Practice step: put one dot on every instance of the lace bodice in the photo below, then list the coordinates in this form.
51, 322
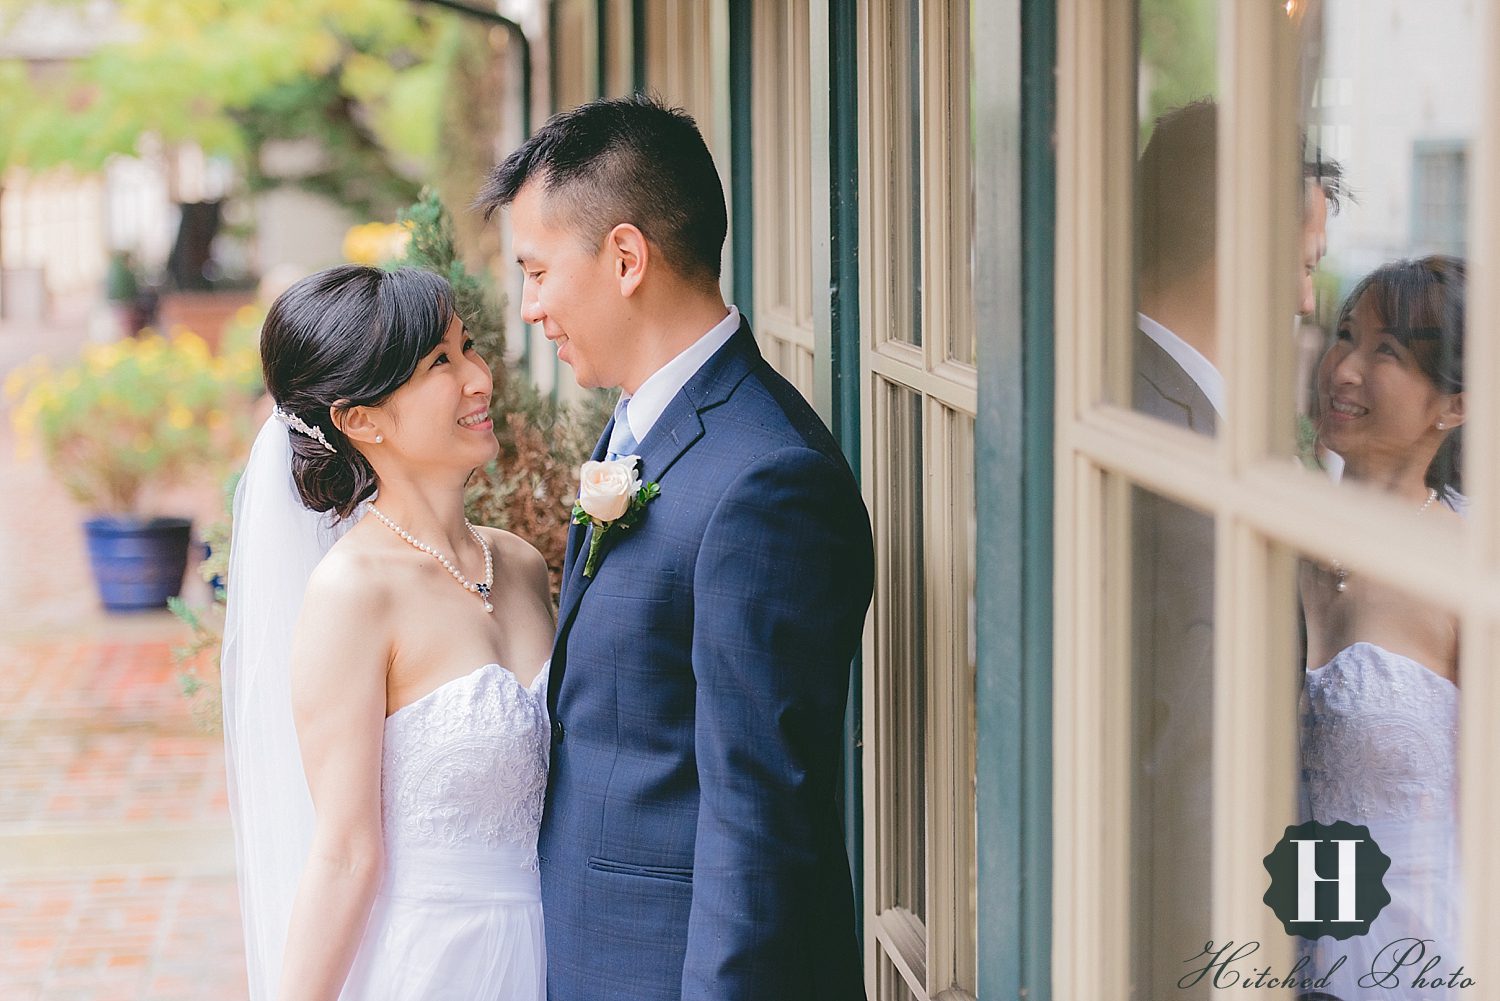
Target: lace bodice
465, 766
1380, 739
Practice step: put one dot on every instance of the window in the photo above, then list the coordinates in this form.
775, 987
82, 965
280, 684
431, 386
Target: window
1440, 173
1222, 583
918, 400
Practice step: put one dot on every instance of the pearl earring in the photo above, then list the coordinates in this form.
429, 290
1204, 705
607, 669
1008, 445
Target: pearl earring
380, 438
1442, 426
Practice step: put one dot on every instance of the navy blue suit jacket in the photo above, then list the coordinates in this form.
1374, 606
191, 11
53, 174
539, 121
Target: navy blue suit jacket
691, 847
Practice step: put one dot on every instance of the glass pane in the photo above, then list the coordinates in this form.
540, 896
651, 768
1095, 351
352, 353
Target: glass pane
961, 657
962, 335
577, 65
1389, 131
911, 39
619, 50
902, 651
902, 167
890, 985
1172, 626
1174, 350
963, 532
1378, 736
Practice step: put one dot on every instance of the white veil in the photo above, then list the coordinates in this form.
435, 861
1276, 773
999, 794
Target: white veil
276, 543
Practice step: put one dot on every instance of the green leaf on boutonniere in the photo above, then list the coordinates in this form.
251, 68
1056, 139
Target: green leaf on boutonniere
604, 530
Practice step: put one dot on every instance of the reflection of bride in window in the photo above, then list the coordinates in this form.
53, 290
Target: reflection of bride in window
1380, 736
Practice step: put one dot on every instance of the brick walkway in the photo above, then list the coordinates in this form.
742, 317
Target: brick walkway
116, 861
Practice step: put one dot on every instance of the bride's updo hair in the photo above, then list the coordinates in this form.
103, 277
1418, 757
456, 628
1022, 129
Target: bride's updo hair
346, 337
1421, 302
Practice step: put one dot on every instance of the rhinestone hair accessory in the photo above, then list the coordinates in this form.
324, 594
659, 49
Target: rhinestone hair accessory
298, 424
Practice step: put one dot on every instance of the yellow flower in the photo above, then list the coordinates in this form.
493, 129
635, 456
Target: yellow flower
24, 421
180, 418
100, 358
25, 378
15, 383
375, 242
192, 345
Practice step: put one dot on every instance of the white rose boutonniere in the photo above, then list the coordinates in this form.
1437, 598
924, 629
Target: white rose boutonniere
612, 498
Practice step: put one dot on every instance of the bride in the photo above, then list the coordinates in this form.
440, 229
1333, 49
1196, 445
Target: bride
1380, 734
384, 675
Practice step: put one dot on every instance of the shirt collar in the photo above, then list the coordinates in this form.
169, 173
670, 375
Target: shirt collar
1198, 368
646, 406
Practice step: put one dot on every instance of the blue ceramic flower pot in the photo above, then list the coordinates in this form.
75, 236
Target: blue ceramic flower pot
137, 564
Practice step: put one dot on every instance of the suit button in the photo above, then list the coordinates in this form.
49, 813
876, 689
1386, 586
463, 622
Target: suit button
558, 732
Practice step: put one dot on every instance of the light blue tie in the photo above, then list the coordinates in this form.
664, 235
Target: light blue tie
621, 440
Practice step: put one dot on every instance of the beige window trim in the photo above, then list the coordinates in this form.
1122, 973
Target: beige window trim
1482, 354
1479, 737
1092, 744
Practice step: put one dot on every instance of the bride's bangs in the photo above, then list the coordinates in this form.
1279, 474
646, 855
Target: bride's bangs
416, 308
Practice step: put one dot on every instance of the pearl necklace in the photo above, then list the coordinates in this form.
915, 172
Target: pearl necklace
1341, 573
483, 590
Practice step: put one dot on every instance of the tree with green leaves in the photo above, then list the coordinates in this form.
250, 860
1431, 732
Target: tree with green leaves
361, 77
1178, 56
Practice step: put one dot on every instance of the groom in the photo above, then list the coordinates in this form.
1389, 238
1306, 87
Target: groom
691, 847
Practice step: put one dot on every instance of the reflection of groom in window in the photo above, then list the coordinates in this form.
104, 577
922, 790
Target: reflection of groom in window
1177, 378
1177, 373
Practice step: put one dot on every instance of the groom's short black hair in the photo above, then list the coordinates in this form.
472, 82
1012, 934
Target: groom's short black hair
625, 160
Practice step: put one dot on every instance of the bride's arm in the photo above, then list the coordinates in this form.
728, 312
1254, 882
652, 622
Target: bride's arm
339, 660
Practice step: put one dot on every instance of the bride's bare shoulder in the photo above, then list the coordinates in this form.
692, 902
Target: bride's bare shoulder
353, 576
514, 555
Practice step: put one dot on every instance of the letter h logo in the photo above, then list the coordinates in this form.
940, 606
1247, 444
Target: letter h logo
1308, 879
1327, 879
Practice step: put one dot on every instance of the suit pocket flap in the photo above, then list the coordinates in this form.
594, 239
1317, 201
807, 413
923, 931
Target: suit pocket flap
654, 585
676, 874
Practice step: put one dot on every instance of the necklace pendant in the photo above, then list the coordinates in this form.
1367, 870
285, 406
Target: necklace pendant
480, 588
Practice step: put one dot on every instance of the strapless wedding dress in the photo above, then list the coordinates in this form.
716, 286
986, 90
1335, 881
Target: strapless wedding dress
459, 914
1380, 748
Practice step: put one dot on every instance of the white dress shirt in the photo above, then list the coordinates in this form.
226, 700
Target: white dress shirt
644, 408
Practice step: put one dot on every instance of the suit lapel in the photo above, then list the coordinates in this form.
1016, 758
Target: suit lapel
1155, 366
679, 426
674, 432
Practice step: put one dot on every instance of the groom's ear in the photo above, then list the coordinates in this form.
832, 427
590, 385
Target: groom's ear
629, 254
